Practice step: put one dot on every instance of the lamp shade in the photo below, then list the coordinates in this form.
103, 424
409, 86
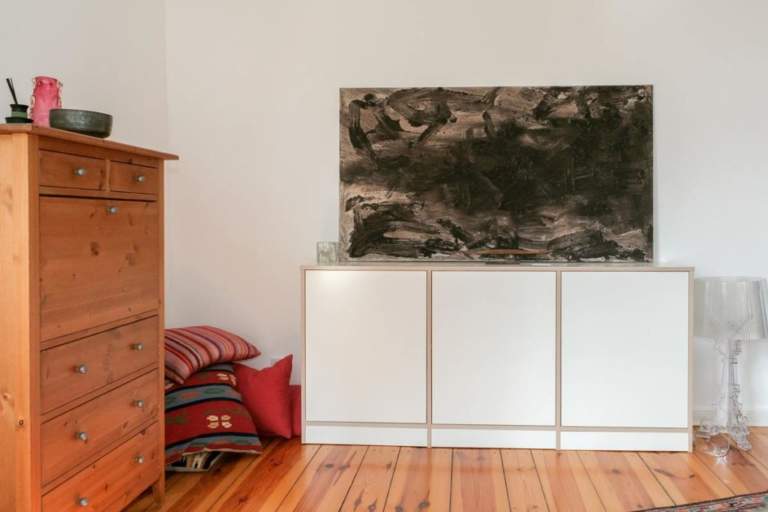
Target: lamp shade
731, 308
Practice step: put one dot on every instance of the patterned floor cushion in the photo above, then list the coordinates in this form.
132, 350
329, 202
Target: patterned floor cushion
206, 413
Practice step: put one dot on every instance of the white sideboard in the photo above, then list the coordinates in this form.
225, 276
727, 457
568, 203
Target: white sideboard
572, 357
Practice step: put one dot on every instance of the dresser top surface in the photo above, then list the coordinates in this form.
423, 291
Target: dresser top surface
83, 139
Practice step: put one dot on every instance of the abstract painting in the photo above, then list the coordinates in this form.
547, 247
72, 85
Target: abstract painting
497, 173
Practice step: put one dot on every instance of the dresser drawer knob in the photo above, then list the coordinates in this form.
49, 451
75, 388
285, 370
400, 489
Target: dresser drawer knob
139, 459
141, 178
80, 171
138, 347
82, 436
83, 502
111, 210
139, 403
81, 369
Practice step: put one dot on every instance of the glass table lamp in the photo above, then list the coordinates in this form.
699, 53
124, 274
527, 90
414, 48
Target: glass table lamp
729, 311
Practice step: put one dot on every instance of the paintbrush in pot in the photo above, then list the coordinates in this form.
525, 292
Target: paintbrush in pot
9, 81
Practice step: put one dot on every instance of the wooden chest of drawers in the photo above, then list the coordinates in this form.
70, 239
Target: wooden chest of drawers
81, 320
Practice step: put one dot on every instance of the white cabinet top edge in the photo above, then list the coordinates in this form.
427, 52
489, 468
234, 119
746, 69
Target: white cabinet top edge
499, 267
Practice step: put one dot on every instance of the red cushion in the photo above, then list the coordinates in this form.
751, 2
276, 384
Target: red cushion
266, 395
190, 349
296, 410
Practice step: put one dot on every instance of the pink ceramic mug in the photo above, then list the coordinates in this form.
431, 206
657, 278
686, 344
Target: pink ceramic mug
47, 95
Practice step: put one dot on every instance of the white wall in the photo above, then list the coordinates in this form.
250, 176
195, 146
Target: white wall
253, 110
110, 55
253, 102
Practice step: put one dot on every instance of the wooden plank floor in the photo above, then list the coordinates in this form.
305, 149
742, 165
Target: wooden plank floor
290, 476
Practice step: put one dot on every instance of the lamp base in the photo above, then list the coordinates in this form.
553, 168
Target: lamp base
728, 417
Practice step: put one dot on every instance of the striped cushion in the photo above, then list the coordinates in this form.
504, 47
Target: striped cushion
189, 349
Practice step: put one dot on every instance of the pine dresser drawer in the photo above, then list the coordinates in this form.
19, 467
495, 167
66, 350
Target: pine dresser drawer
92, 427
137, 179
99, 262
75, 369
71, 171
113, 481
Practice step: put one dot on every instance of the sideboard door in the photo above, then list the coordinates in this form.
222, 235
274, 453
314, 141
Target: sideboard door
625, 349
366, 346
493, 348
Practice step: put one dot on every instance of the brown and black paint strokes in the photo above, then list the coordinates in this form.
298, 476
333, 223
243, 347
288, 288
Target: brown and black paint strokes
519, 173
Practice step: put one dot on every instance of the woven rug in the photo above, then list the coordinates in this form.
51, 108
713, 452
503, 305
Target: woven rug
754, 502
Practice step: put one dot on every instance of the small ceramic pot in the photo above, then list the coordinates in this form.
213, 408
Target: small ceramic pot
19, 110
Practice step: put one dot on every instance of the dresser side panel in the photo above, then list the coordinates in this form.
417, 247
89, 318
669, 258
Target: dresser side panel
19, 324
158, 489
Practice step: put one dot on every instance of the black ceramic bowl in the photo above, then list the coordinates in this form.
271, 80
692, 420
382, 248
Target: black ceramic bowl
86, 122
